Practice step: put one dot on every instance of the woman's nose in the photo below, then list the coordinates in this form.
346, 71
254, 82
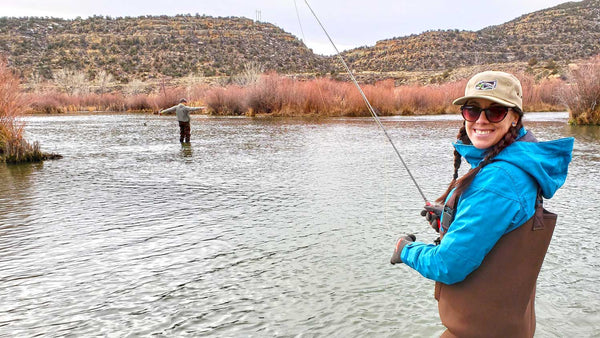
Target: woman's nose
482, 118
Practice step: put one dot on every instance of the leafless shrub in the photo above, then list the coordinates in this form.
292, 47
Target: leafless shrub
582, 95
72, 82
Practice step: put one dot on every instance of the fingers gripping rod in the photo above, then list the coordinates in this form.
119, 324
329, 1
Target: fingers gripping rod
371, 110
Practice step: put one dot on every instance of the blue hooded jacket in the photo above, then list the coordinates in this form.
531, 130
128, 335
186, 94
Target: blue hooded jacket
500, 199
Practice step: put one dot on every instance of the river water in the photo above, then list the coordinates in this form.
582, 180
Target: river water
260, 228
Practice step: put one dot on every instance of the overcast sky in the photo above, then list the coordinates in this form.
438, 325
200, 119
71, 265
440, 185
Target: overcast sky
350, 23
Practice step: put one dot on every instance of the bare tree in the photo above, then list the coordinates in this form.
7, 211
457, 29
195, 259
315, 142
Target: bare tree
104, 80
72, 82
135, 87
250, 74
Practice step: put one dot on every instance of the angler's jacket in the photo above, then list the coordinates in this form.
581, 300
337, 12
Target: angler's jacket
500, 199
182, 111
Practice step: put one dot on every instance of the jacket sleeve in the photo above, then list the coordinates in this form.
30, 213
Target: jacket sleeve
486, 211
168, 110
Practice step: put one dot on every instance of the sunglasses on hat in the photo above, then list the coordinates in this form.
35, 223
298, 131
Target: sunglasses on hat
493, 114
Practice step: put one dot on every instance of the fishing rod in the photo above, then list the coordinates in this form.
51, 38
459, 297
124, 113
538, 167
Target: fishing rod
371, 110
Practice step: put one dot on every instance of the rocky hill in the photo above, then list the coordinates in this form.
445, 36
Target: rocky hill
150, 47
153, 46
564, 33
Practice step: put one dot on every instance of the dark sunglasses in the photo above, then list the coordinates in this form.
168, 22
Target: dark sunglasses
493, 114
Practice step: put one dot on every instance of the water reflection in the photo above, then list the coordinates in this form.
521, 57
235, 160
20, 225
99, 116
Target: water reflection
186, 150
15, 187
584, 133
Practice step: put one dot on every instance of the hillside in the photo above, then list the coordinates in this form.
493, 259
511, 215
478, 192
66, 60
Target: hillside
151, 46
562, 34
154, 47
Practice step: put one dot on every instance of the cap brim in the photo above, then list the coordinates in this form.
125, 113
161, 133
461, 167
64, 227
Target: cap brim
464, 99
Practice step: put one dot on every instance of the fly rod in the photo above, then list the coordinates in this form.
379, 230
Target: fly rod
371, 110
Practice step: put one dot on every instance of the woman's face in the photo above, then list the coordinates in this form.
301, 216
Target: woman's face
484, 134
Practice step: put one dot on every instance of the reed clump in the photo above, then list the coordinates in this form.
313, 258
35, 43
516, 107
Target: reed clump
13, 147
582, 95
20, 151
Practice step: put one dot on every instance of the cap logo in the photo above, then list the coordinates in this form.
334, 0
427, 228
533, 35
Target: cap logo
486, 85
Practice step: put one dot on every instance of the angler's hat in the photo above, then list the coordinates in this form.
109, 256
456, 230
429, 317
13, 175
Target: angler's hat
500, 87
182, 100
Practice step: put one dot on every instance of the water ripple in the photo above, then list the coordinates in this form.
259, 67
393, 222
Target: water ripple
264, 228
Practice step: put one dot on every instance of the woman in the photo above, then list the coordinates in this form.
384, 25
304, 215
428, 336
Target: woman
492, 246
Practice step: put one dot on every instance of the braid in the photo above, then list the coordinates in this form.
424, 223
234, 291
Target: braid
463, 183
462, 136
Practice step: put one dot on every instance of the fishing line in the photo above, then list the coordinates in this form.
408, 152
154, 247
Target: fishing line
371, 110
299, 22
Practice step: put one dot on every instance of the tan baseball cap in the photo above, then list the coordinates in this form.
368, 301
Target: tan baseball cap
500, 87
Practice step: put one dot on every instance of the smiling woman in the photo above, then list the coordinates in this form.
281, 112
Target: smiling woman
502, 103
482, 131
488, 257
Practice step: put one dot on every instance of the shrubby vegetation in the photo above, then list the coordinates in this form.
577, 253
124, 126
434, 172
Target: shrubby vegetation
253, 93
13, 147
582, 95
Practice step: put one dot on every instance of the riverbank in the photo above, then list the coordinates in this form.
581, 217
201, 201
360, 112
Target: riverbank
273, 94
278, 95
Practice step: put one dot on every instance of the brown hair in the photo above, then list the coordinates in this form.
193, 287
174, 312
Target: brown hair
463, 183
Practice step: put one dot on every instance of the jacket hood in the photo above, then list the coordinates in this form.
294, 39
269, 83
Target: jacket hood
547, 162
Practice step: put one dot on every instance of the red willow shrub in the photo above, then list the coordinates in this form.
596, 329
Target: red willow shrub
542, 95
12, 106
278, 95
226, 101
13, 147
582, 95
166, 98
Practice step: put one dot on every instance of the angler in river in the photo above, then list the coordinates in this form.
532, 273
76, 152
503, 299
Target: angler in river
183, 116
493, 229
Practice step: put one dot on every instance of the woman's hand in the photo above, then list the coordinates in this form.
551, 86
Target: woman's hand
432, 213
402, 242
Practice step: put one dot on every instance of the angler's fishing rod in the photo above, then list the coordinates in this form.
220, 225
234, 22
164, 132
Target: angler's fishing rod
371, 110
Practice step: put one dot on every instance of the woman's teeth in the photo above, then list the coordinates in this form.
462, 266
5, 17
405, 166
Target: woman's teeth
482, 132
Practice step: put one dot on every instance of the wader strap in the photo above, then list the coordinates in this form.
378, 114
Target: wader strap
448, 213
539, 212
450, 209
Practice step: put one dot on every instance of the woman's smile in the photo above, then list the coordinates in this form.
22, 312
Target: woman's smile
483, 133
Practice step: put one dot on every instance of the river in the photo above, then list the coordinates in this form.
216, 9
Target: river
259, 228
